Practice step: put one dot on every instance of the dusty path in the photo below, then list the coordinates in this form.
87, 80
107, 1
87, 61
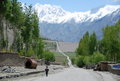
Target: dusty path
71, 74
74, 74
69, 61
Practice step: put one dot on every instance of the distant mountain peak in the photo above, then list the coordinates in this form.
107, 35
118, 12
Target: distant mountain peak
103, 11
61, 25
50, 13
56, 14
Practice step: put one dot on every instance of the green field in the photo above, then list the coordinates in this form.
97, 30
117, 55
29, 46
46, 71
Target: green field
71, 54
60, 58
58, 54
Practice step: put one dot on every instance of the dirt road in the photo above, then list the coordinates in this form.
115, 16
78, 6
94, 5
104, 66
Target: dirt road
74, 74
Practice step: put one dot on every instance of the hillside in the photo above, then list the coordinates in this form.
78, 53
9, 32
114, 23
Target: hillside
64, 46
58, 24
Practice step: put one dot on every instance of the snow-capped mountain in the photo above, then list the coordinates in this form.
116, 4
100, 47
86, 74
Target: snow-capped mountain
58, 24
55, 14
50, 13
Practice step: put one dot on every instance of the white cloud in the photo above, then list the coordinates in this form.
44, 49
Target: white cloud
116, 0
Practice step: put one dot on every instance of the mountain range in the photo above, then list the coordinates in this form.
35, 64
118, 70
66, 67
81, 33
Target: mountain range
59, 24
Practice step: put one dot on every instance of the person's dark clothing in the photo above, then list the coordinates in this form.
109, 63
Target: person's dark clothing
46, 71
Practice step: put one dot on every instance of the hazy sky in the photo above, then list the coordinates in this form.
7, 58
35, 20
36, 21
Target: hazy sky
74, 5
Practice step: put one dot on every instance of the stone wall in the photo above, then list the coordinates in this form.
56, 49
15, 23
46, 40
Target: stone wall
113, 70
11, 59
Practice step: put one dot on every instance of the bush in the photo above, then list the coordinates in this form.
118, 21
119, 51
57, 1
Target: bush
73, 60
5, 50
22, 53
118, 61
79, 61
87, 60
65, 62
49, 56
97, 57
30, 52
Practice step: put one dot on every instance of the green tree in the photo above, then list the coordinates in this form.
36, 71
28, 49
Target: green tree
83, 48
92, 43
111, 41
25, 24
40, 47
3, 7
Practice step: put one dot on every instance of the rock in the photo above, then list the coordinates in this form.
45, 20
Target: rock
8, 69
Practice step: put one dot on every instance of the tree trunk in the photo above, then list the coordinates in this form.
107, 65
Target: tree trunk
7, 24
1, 31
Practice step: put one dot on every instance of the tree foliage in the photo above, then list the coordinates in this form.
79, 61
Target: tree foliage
97, 57
87, 44
83, 48
25, 24
93, 51
111, 42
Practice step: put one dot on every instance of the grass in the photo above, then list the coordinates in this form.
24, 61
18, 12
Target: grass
71, 54
60, 58
58, 54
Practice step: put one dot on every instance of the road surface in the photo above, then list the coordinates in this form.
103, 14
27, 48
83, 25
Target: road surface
73, 74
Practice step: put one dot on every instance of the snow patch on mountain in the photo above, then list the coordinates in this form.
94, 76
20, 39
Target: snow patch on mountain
106, 10
55, 14
59, 24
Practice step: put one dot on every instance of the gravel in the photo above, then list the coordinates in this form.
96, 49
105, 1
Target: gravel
13, 72
7, 69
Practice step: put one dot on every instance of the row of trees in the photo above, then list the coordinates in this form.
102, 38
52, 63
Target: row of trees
25, 24
92, 51
110, 44
87, 44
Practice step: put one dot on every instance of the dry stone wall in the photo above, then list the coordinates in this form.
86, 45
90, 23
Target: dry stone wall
13, 59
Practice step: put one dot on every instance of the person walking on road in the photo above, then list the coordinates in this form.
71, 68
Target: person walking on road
46, 71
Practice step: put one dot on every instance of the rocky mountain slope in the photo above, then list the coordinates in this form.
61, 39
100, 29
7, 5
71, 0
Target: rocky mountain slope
58, 24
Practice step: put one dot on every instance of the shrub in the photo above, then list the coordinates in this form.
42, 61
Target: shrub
87, 60
97, 57
30, 52
49, 56
73, 60
22, 53
79, 61
65, 62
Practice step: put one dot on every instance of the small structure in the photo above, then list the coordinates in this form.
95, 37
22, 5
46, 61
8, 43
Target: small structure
114, 68
31, 64
104, 65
